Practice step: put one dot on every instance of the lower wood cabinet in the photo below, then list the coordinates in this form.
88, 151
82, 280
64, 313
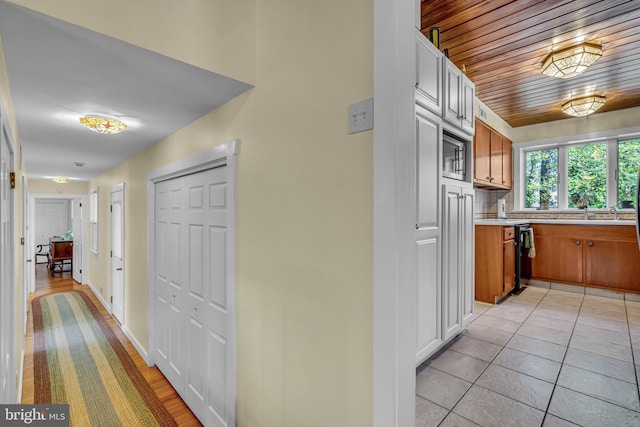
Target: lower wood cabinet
599, 256
494, 261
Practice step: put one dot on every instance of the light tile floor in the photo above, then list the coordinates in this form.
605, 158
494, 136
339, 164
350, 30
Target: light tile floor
545, 357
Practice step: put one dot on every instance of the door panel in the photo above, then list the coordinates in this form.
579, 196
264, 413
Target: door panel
76, 227
117, 253
451, 254
429, 329
191, 276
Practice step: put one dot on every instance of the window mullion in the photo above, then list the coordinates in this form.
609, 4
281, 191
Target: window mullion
612, 166
563, 171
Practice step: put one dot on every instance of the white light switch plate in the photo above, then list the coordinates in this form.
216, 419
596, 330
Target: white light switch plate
361, 116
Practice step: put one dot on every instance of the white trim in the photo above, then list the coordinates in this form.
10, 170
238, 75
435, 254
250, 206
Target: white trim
20, 376
11, 286
221, 155
99, 297
93, 240
394, 258
84, 198
136, 344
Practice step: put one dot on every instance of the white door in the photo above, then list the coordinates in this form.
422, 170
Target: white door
7, 388
427, 235
191, 287
451, 263
117, 252
77, 227
52, 219
467, 263
27, 255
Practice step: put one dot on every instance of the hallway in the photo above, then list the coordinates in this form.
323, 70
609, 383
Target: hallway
164, 391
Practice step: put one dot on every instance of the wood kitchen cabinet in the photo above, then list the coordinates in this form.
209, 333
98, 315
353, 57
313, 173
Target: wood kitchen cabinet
587, 255
492, 158
558, 258
494, 262
613, 264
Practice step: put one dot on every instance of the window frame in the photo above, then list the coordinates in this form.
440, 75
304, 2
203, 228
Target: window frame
94, 204
611, 139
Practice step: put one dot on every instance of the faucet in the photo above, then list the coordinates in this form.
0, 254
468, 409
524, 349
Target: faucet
614, 211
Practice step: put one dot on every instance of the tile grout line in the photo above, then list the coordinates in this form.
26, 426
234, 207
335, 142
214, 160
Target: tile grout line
491, 362
555, 384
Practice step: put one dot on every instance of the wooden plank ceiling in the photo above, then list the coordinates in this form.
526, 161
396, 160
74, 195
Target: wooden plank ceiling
503, 43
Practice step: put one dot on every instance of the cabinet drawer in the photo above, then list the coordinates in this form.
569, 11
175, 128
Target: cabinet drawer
508, 233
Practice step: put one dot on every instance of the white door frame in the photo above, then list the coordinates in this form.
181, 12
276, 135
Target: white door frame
117, 188
221, 155
27, 257
394, 207
7, 290
84, 198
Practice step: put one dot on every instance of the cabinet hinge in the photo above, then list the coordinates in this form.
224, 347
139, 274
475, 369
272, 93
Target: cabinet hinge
111, 300
111, 208
80, 271
111, 254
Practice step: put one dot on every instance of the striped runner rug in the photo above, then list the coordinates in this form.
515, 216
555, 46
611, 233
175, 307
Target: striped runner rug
79, 360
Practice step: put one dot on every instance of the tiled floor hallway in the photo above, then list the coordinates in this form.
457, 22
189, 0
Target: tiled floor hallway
544, 357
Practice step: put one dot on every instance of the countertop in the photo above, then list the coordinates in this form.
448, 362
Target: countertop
517, 221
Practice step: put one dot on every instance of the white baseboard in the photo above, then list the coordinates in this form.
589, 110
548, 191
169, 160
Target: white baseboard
136, 344
97, 295
126, 331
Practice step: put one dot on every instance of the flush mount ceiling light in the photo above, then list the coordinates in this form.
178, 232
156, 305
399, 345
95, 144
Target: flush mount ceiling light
60, 179
583, 106
572, 61
103, 124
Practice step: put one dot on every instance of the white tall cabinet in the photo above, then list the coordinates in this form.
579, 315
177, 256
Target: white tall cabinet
444, 207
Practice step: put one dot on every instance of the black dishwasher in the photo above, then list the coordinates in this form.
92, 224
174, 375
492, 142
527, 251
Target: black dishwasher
523, 264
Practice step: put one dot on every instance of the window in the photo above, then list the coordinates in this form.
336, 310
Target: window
587, 174
628, 161
93, 220
541, 178
570, 176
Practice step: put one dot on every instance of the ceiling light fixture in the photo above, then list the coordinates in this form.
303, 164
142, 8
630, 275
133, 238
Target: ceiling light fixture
60, 179
583, 106
572, 61
103, 124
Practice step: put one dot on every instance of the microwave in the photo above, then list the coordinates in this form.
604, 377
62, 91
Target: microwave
454, 157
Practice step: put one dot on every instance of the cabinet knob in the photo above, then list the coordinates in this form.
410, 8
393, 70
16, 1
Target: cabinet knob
488, 178
578, 242
591, 243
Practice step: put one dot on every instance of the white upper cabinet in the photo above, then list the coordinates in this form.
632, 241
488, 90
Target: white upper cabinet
459, 94
428, 74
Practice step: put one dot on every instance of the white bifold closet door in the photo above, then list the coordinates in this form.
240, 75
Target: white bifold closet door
191, 297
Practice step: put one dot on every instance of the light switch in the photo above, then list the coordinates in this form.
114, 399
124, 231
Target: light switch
361, 116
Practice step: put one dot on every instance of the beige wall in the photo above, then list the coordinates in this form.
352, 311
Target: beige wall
46, 186
304, 207
599, 122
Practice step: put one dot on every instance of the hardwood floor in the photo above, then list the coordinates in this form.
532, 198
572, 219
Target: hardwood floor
165, 392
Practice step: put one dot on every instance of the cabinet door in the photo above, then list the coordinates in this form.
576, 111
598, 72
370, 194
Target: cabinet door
496, 158
451, 314
509, 266
612, 264
468, 93
507, 165
452, 98
429, 329
428, 74
428, 135
558, 259
482, 154
466, 260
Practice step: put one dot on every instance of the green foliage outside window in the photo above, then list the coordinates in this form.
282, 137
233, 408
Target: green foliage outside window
587, 173
628, 161
541, 178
